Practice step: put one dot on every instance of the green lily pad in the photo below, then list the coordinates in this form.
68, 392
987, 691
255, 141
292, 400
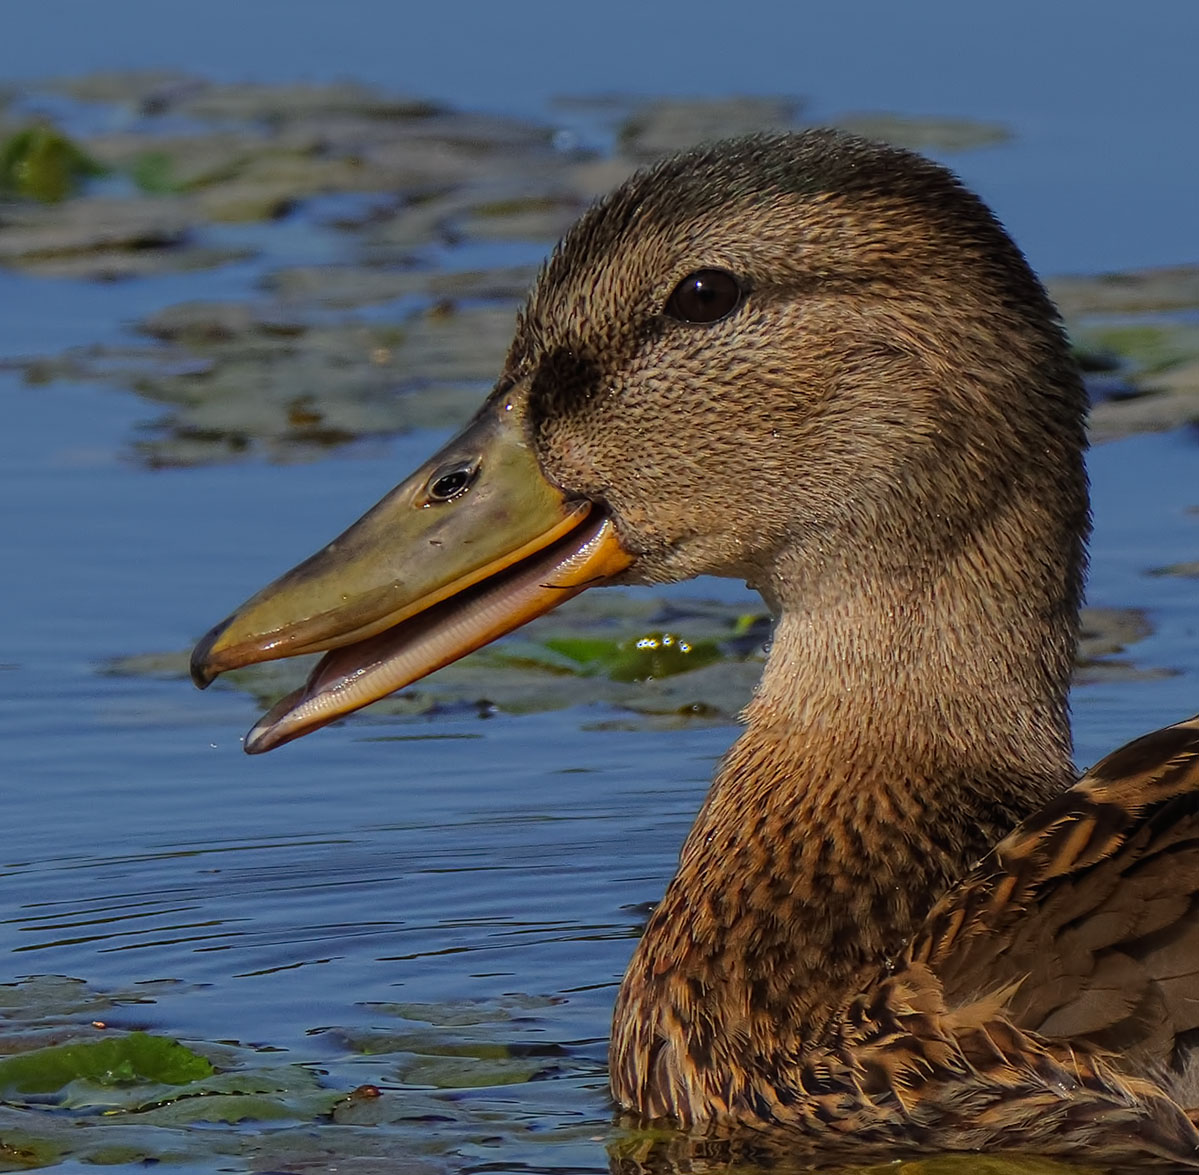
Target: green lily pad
642, 658
123, 1060
41, 163
1151, 346
1161, 362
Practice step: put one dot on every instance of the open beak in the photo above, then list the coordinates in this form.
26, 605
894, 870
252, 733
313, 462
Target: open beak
474, 544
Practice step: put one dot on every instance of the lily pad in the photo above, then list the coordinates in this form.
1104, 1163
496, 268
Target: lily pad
648, 657
41, 163
106, 237
1161, 361
466, 1044
171, 164
149, 91
257, 150
351, 286
59, 999
22, 1150
536, 216
1144, 291
136, 1057
925, 134
585, 654
242, 380
1153, 346
1137, 337
100, 222
466, 1013
1104, 635
537, 203
660, 127
242, 102
1187, 570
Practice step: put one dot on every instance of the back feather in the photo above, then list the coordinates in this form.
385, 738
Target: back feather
1084, 921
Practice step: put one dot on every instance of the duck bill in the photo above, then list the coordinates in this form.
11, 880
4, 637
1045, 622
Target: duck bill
422, 579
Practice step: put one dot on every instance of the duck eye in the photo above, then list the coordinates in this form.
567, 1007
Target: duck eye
707, 295
446, 484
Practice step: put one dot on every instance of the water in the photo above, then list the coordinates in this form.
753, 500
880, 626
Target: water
443, 908
1102, 95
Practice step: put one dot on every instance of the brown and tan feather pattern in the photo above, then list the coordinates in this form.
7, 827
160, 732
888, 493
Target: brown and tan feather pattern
884, 435
1047, 1004
1087, 913
885, 440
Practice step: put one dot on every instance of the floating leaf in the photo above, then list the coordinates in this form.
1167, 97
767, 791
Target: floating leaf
21, 1151
221, 1107
925, 134
154, 172
1188, 570
41, 163
122, 1060
644, 658
586, 651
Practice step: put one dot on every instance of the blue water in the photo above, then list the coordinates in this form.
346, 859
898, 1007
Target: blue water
1102, 96
473, 858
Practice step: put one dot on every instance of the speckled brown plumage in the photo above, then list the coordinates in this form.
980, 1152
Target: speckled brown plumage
886, 440
898, 922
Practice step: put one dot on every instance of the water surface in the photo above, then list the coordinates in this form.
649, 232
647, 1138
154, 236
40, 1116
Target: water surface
443, 907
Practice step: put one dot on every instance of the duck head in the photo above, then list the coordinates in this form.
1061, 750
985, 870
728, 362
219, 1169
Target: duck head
808, 361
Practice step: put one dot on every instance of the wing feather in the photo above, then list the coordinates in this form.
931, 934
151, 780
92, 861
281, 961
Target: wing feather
1089, 911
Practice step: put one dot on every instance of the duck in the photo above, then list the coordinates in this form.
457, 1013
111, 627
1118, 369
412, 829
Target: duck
820, 365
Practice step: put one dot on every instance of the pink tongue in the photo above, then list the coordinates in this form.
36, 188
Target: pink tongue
349, 678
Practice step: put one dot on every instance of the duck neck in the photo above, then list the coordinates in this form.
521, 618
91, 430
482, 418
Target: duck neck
896, 735
869, 780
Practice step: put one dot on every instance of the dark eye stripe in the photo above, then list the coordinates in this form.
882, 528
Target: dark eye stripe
707, 295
